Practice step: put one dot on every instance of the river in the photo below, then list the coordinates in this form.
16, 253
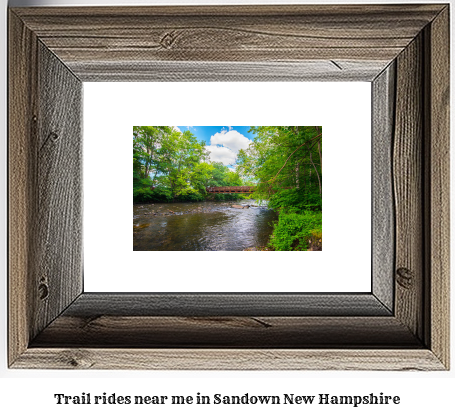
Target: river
201, 226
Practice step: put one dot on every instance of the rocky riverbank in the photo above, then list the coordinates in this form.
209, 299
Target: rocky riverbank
162, 210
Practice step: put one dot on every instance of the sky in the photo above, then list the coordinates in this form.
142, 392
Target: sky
223, 142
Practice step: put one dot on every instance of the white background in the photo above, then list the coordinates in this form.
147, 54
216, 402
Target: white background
342, 108
32, 391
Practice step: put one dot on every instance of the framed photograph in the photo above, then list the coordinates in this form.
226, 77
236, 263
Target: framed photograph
183, 231
402, 323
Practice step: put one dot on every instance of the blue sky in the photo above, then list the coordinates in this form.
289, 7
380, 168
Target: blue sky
223, 142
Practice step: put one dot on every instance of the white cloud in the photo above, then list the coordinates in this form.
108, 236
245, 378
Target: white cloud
176, 129
231, 139
222, 154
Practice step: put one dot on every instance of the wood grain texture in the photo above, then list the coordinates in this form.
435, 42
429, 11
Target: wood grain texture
309, 71
229, 359
408, 188
53, 49
212, 305
383, 215
22, 95
57, 222
218, 34
257, 332
439, 189
44, 187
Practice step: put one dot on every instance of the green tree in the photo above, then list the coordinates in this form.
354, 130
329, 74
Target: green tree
181, 153
286, 163
284, 159
147, 142
168, 165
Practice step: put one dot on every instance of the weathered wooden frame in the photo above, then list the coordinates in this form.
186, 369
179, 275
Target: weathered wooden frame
403, 50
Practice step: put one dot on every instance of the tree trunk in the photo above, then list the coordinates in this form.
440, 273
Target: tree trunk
297, 174
320, 155
319, 179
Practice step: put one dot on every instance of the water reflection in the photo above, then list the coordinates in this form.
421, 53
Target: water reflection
203, 226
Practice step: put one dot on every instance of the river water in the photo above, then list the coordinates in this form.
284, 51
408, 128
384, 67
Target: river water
201, 226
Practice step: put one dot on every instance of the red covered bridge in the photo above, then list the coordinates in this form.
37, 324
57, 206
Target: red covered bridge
231, 189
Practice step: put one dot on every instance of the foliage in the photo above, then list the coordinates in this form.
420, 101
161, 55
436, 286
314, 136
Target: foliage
223, 176
296, 231
284, 163
296, 200
282, 158
169, 165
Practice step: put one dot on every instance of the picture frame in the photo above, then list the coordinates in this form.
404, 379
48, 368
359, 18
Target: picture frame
402, 324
